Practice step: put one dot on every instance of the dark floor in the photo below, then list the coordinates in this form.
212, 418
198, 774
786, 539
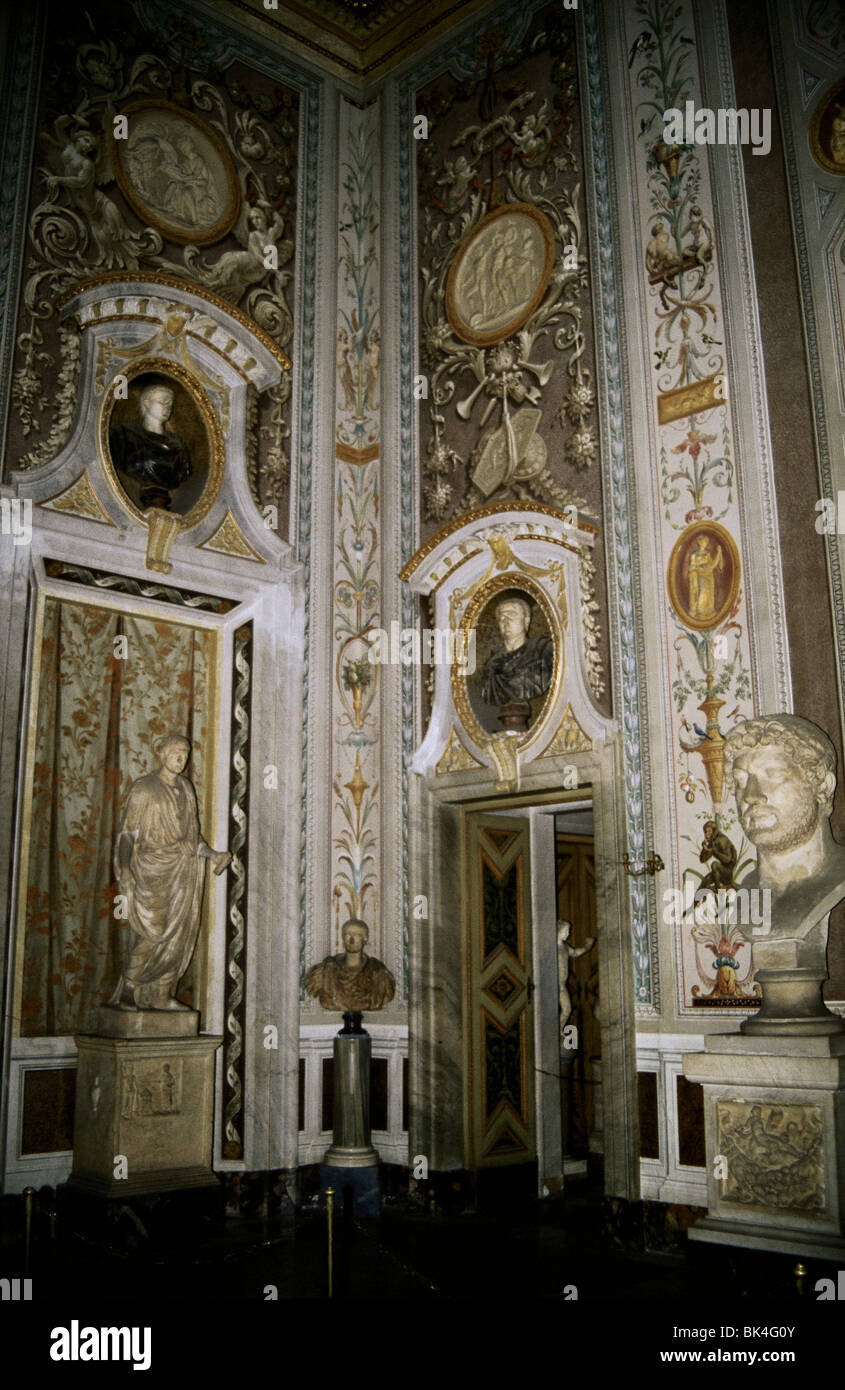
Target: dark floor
577, 1245
154, 1262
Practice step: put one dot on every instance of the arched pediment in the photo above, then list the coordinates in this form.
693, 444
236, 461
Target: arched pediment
156, 331
504, 700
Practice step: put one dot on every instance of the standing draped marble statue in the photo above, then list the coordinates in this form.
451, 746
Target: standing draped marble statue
159, 863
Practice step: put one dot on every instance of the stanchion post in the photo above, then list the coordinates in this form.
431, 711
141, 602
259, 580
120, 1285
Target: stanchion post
28, 1199
330, 1223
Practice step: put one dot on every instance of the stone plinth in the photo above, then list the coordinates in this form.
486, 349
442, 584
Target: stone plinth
148, 1101
147, 1023
774, 1112
792, 992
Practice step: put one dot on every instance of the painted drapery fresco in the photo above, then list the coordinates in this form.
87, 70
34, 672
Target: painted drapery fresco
110, 686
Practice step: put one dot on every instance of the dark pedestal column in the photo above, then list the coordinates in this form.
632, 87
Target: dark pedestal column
352, 1163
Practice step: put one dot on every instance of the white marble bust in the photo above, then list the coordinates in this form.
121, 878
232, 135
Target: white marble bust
783, 772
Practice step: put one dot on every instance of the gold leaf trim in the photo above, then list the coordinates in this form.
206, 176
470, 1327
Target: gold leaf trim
478, 514
79, 499
228, 539
173, 282
570, 737
455, 757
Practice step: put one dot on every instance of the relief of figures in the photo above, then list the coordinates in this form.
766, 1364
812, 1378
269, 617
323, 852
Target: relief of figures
172, 170
774, 1154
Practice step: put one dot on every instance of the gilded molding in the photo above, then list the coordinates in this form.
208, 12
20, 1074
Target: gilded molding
174, 282
78, 500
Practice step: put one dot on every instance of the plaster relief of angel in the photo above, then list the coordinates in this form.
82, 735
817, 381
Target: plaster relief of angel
259, 229
456, 179
532, 139
80, 167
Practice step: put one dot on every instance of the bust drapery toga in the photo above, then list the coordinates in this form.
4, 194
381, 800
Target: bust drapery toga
342, 990
159, 461
159, 862
519, 674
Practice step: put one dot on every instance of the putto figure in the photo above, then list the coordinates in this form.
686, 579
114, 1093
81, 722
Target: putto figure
352, 981
159, 863
522, 667
144, 450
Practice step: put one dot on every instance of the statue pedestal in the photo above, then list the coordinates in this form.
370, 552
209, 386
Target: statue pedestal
774, 1110
351, 1162
792, 990
144, 1106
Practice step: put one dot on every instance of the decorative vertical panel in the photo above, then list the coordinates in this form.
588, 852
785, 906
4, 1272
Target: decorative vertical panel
707, 660
233, 1053
356, 590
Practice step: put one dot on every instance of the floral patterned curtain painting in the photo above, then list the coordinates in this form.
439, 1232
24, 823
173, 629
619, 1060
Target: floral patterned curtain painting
102, 706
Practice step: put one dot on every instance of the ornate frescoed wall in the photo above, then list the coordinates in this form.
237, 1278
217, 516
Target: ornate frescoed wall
165, 155
506, 338
526, 363
708, 486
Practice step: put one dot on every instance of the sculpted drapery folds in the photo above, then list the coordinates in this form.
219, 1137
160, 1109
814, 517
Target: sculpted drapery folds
351, 981
522, 667
97, 725
159, 865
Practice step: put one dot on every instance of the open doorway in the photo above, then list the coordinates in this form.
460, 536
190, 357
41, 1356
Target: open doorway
578, 990
531, 1016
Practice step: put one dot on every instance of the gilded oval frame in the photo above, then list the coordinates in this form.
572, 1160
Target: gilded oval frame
487, 338
182, 236
674, 580
819, 120
164, 367
514, 579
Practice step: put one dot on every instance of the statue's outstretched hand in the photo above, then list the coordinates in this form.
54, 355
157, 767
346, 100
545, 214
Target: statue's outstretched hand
220, 860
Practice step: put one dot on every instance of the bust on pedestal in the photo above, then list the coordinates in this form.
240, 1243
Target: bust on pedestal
774, 1095
145, 1079
352, 981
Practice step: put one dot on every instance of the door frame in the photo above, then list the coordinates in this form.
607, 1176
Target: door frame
435, 951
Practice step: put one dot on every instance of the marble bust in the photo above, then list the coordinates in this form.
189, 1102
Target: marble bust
159, 860
352, 981
783, 772
522, 666
145, 450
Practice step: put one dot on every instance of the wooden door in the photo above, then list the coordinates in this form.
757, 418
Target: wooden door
499, 1120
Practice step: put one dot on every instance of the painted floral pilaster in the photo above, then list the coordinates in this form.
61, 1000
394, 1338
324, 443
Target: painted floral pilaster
356, 547
707, 657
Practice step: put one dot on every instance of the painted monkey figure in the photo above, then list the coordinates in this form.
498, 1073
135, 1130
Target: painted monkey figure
723, 856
